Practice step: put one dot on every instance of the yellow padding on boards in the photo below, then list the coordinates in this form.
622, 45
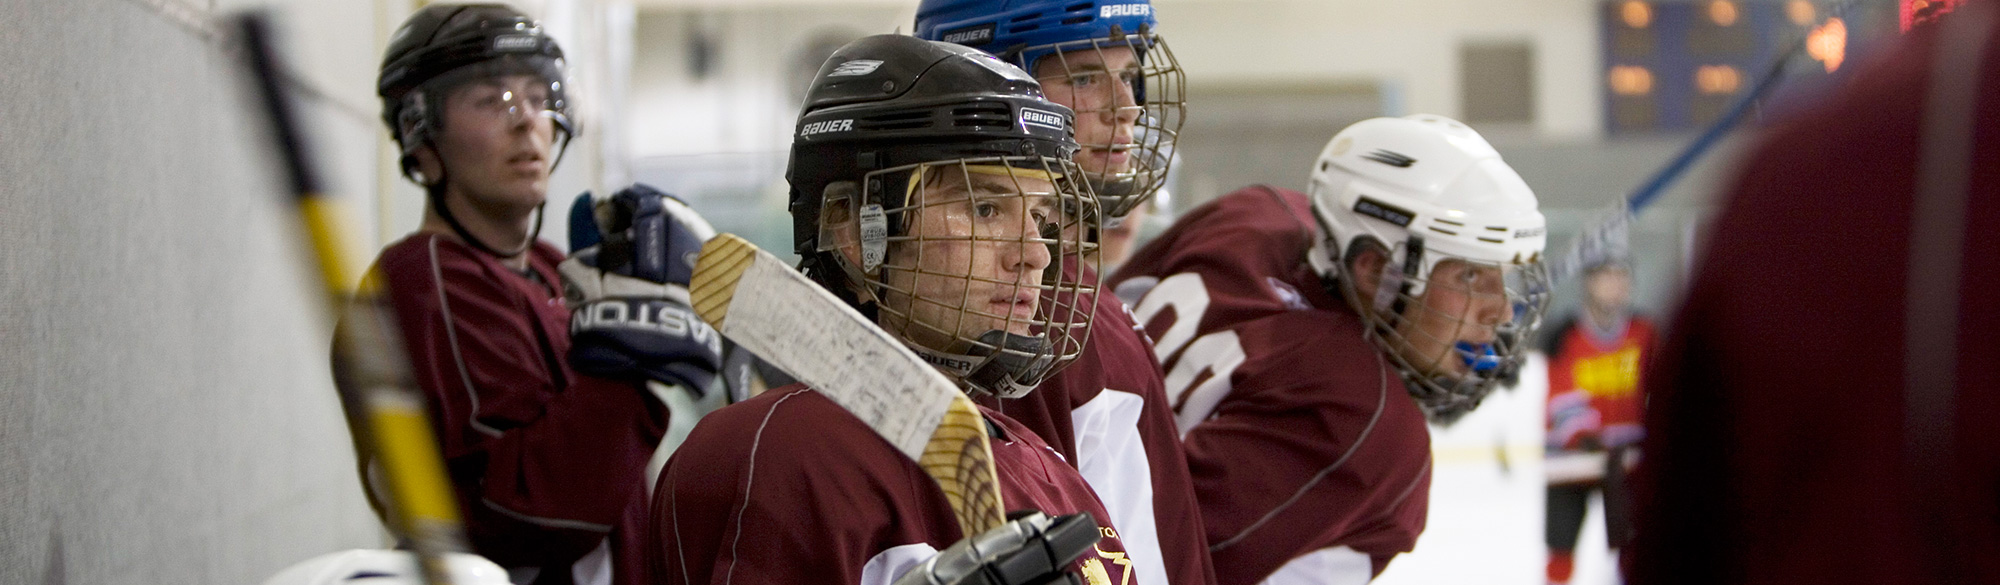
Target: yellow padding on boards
959, 457
403, 438
720, 266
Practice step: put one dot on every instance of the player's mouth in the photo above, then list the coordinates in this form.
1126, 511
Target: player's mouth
527, 162
1109, 160
1018, 306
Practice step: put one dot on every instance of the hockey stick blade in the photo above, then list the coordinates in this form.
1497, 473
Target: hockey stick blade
764, 305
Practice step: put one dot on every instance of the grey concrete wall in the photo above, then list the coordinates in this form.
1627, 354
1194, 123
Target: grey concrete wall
165, 410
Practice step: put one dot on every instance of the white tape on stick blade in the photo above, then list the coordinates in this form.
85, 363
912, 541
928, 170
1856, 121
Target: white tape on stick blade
789, 321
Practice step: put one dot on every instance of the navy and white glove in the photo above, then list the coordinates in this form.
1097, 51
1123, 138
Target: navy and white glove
1031, 549
626, 286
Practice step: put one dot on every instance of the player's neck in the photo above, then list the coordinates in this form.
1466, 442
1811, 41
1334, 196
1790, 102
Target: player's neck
1603, 320
498, 231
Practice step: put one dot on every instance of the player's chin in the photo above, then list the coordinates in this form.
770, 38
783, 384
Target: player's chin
1016, 326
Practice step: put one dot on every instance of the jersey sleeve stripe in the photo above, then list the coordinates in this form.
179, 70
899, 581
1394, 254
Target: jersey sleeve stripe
1381, 402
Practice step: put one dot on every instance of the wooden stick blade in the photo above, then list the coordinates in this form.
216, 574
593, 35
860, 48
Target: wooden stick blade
764, 305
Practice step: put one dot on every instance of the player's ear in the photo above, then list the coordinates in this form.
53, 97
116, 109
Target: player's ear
1365, 264
837, 227
429, 166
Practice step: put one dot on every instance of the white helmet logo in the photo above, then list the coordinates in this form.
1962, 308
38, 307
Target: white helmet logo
855, 67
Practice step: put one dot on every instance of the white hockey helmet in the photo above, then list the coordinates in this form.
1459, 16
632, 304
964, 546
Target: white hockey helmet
385, 567
1426, 189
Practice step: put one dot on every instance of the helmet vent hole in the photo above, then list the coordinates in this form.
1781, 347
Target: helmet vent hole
1077, 19
1026, 28
1450, 222
984, 114
1443, 231
907, 120
1077, 7
1026, 17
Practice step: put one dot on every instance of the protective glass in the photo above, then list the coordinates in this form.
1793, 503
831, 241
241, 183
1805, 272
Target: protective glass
1129, 95
1464, 334
969, 269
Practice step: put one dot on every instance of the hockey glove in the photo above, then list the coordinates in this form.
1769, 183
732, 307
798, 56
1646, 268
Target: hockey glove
1032, 549
629, 310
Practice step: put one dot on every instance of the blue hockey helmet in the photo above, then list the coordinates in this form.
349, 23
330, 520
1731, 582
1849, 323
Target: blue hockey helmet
1127, 166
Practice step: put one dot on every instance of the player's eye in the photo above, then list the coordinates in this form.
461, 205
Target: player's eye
536, 99
488, 97
985, 209
1083, 79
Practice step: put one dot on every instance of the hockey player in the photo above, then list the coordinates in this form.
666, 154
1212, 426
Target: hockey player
1822, 409
1594, 406
1108, 414
545, 440
927, 187
1295, 324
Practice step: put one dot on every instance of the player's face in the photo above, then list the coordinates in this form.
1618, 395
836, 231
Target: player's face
1097, 84
1608, 289
1462, 302
494, 143
975, 261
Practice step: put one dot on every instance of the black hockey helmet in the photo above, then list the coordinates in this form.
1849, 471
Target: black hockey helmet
888, 113
892, 100
445, 45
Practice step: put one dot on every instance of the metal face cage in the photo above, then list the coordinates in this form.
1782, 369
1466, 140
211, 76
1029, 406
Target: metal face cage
1463, 335
1129, 95
971, 263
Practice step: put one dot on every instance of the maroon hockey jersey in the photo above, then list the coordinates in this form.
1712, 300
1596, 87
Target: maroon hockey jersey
1779, 444
1128, 448
547, 463
787, 487
1310, 462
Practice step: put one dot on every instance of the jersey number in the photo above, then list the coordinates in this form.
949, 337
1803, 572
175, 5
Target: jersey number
1217, 353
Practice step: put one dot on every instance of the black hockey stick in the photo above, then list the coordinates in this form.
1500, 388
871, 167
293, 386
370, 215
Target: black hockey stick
385, 411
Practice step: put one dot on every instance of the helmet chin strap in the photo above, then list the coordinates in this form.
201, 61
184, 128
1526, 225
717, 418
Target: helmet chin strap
444, 211
1114, 188
1011, 371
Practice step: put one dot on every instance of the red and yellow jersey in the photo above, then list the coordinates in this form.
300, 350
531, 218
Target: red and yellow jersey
1594, 394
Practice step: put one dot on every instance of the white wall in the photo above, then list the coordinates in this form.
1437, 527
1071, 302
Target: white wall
166, 410
1409, 46
166, 414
